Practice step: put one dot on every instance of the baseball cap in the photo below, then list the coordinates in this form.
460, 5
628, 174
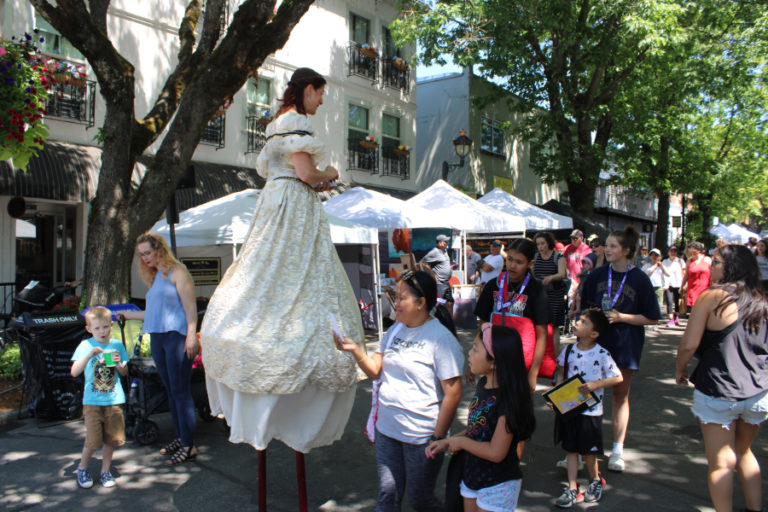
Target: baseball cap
672, 248
496, 243
656, 251
577, 232
443, 238
559, 246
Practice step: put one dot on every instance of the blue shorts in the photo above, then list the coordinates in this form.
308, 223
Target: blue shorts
625, 355
753, 410
499, 498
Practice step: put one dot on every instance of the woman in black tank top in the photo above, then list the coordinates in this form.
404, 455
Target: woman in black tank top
728, 332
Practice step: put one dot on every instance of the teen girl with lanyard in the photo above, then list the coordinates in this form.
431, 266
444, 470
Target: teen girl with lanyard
626, 296
521, 295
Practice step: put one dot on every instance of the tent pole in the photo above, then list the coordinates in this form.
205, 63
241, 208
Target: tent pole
377, 287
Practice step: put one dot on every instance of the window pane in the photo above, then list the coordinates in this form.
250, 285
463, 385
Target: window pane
390, 126
259, 91
54, 43
358, 117
498, 141
486, 136
360, 29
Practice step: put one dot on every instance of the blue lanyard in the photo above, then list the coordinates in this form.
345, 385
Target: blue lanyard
502, 283
621, 286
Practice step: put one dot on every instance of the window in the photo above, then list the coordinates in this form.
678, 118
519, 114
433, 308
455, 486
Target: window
54, 43
358, 121
390, 50
492, 137
677, 221
360, 30
359, 156
258, 96
393, 164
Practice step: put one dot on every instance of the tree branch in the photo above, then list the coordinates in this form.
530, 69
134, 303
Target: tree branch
98, 10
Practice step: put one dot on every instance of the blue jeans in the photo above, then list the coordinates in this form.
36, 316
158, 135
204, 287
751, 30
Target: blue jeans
175, 370
405, 467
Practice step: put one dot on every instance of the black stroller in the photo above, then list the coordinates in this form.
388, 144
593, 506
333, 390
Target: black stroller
147, 396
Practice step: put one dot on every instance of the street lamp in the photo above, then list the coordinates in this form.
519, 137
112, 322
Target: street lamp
461, 145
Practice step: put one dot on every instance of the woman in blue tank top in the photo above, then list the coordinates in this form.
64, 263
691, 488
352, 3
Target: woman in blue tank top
728, 333
171, 321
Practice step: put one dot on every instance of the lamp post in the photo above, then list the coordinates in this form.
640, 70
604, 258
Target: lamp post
461, 145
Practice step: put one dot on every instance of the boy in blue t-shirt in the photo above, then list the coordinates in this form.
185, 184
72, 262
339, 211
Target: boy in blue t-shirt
102, 359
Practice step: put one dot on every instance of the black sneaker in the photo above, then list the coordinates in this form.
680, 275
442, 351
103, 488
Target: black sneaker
569, 498
595, 490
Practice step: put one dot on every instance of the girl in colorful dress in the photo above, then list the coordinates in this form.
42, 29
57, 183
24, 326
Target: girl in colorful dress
697, 275
500, 416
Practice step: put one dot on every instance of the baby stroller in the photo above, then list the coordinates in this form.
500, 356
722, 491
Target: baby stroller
147, 395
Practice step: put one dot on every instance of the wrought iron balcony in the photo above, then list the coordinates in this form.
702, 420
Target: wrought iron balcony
395, 77
360, 64
256, 133
72, 103
362, 158
213, 135
395, 162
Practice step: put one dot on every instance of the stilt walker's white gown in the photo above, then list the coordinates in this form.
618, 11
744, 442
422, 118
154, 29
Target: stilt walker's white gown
271, 365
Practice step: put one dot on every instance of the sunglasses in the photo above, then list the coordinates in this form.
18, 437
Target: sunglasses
409, 276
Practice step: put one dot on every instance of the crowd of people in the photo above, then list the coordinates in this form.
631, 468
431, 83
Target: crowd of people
276, 369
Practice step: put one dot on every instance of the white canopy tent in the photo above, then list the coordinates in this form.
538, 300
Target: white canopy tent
721, 231
536, 218
741, 233
374, 209
450, 208
217, 228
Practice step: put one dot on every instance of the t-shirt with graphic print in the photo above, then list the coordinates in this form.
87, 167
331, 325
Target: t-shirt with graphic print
102, 383
531, 304
593, 364
484, 413
414, 364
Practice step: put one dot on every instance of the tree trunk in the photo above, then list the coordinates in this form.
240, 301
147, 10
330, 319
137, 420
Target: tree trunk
662, 217
660, 174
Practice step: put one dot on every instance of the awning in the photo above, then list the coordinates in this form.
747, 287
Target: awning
64, 171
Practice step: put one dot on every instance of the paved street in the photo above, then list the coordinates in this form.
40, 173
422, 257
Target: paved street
664, 452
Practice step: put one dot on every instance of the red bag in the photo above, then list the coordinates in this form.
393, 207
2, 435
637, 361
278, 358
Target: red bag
524, 327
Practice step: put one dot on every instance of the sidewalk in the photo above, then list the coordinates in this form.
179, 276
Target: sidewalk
666, 468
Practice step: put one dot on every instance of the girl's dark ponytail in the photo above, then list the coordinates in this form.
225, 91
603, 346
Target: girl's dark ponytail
426, 286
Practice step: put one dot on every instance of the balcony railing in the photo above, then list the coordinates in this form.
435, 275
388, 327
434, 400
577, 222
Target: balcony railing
394, 164
213, 135
72, 103
361, 158
395, 77
360, 65
256, 133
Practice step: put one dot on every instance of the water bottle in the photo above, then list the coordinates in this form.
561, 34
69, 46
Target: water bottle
137, 348
132, 394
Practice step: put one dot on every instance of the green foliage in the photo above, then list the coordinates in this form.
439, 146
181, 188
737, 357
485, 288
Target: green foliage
23, 79
10, 362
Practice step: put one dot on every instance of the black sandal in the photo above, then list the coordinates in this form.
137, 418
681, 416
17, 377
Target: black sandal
183, 454
171, 447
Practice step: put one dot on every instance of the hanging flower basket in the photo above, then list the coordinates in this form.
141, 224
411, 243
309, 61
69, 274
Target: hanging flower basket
77, 81
368, 50
61, 77
400, 63
402, 150
369, 142
266, 118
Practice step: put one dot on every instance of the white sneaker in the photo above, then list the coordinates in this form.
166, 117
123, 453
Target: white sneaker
563, 464
616, 463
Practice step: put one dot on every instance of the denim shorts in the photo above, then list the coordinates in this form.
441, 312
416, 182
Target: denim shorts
753, 410
499, 498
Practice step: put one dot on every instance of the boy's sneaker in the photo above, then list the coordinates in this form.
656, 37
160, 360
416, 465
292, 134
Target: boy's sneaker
616, 463
84, 479
107, 480
569, 498
563, 463
595, 490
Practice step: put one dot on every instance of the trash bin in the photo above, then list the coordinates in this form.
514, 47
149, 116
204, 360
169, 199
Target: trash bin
47, 341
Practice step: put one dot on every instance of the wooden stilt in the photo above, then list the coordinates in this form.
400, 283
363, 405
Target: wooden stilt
301, 482
262, 475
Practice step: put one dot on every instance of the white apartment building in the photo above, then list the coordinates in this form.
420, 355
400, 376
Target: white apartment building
367, 95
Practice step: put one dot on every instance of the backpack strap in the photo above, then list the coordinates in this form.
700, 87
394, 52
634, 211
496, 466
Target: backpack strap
292, 132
